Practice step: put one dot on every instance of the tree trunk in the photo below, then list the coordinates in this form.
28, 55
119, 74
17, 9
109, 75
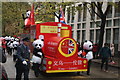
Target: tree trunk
102, 27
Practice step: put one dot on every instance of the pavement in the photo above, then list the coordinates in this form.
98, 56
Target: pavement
115, 64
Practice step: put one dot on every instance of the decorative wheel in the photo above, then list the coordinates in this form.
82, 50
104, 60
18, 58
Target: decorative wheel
67, 47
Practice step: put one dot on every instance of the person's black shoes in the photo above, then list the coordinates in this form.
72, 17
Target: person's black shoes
36, 74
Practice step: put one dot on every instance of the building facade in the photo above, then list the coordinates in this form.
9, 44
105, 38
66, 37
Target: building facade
85, 26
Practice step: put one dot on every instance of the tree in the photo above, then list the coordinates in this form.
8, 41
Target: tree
46, 11
12, 21
102, 14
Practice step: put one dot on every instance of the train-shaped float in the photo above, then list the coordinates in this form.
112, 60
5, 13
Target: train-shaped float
60, 49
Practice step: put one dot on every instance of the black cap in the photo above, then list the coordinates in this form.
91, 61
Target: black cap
26, 39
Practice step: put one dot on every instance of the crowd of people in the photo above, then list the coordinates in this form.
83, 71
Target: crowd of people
9, 44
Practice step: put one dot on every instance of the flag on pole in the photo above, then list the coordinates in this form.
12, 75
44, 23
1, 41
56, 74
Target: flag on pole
62, 18
32, 15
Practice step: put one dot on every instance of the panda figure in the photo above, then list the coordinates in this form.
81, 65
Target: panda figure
28, 13
10, 45
26, 19
37, 56
15, 45
87, 47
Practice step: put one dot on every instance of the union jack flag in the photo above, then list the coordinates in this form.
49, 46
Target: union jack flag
71, 47
71, 43
62, 18
70, 50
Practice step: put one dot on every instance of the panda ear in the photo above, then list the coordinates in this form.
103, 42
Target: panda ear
41, 37
85, 40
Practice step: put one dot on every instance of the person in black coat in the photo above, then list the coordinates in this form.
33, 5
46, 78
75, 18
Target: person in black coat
105, 54
23, 62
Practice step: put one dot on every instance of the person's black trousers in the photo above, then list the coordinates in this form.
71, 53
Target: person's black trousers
104, 60
21, 70
89, 65
36, 69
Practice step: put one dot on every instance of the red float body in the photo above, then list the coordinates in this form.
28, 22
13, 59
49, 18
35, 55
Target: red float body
60, 51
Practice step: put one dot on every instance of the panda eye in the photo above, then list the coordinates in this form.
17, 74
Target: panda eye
85, 40
36, 44
40, 45
90, 45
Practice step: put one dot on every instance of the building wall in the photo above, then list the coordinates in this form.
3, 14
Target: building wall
86, 29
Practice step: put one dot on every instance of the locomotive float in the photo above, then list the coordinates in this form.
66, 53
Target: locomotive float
60, 49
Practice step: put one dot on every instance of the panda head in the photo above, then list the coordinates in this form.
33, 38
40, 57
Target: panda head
6, 37
38, 44
28, 13
87, 45
12, 38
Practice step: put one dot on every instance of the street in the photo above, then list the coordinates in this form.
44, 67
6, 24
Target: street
95, 73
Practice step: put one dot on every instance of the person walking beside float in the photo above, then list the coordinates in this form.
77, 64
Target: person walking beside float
23, 62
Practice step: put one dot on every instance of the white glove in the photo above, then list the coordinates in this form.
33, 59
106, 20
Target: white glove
39, 53
24, 62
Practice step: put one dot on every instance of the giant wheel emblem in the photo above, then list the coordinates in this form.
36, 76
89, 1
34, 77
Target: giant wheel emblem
67, 47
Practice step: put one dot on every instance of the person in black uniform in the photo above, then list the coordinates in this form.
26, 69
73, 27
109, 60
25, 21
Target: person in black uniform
23, 62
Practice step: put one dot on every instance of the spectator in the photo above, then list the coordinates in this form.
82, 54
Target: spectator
95, 49
105, 54
23, 62
112, 53
3, 45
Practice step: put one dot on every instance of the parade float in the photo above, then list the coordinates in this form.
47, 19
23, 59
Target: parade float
60, 49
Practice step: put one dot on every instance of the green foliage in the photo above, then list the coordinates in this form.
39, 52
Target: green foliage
12, 17
45, 10
12, 21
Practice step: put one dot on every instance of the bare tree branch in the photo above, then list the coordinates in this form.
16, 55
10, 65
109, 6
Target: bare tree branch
92, 7
99, 6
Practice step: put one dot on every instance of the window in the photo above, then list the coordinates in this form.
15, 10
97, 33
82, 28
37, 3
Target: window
72, 25
92, 35
98, 23
116, 22
83, 25
115, 36
92, 12
109, 15
117, 9
108, 23
78, 36
98, 12
97, 35
78, 26
92, 24
84, 11
79, 13
68, 15
108, 35
72, 19
83, 35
